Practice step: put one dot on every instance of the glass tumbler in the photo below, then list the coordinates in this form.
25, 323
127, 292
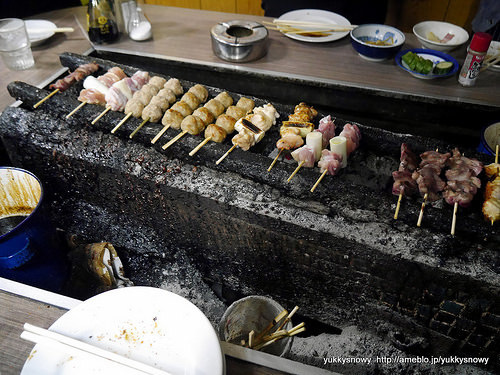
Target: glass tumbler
15, 46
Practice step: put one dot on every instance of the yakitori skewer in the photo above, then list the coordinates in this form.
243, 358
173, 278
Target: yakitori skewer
404, 184
252, 128
64, 83
197, 122
95, 89
295, 129
184, 107
491, 204
224, 124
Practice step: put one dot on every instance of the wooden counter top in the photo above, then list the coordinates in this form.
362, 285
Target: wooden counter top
184, 34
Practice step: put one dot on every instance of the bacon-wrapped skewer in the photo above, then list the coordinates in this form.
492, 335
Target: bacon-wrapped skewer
462, 182
294, 130
428, 178
252, 128
224, 124
404, 184
204, 116
64, 83
491, 204
95, 89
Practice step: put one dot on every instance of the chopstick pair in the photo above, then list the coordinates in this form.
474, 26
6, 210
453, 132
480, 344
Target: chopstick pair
294, 27
45, 337
492, 60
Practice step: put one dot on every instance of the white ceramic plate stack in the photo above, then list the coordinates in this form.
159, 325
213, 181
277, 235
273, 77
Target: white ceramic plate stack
149, 325
317, 16
39, 31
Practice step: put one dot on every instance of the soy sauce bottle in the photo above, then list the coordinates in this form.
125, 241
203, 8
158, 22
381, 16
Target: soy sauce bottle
102, 22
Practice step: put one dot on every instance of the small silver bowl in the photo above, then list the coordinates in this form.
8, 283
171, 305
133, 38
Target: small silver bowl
239, 41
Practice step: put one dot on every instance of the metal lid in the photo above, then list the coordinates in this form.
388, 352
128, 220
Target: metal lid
238, 32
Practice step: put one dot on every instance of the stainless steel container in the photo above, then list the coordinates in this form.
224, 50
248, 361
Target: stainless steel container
239, 41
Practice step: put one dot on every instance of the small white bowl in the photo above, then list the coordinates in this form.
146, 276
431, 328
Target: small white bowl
440, 29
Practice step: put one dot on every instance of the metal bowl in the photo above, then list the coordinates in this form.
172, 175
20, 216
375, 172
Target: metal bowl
239, 41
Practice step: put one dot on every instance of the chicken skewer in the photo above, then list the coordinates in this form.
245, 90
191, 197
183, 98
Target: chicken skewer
174, 115
252, 128
306, 158
491, 204
295, 129
95, 89
197, 122
224, 124
404, 184
64, 83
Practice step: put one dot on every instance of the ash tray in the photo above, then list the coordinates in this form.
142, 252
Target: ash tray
239, 41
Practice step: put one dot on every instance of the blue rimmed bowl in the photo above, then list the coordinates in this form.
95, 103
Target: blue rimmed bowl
376, 42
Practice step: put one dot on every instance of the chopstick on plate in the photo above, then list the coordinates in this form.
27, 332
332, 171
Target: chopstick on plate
292, 23
43, 336
492, 60
54, 30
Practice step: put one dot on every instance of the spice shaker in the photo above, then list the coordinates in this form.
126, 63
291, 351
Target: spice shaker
475, 56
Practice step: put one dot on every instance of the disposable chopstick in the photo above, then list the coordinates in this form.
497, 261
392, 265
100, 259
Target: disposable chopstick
54, 30
312, 24
491, 61
43, 336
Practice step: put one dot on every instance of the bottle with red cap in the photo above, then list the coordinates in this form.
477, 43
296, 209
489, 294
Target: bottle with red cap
475, 56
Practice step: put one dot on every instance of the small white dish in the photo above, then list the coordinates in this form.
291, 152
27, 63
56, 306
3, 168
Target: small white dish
319, 16
440, 29
39, 31
149, 325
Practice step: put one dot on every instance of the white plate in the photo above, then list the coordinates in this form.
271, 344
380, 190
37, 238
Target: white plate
39, 31
146, 324
316, 15
494, 50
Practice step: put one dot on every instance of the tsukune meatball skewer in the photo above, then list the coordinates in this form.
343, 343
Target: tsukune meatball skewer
224, 124
184, 107
197, 122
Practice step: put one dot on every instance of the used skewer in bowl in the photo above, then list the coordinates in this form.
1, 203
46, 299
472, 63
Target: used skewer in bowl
64, 83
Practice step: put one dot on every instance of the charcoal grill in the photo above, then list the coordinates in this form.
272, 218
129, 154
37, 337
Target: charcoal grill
336, 252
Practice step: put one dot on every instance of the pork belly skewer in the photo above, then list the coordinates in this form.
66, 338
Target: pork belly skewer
427, 177
404, 184
64, 83
462, 182
197, 122
224, 124
184, 107
121, 92
325, 132
95, 89
295, 129
252, 128
491, 204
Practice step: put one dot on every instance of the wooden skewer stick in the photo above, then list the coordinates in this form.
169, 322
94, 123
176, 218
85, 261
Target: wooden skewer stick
123, 120
274, 161
454, 220
160, 133
296, 170
421, 215
250, 338
270, 326
297, 331
398, 205
288, 318
491, 61
496, 154
80, 106
102, 114
197, 148
47, 97
138, 128
225, 155
173, 140
319, 180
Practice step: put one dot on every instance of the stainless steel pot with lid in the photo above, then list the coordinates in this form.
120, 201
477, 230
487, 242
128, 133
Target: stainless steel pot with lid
239, 41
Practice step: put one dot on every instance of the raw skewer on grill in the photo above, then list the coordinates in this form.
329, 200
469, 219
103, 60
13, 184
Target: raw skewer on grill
252, 128
121, 92
491, 204
308, 155
404, 184
197, 122
224, 124
174, 115
295, 129
340, 148
462, 182
64, 83
427, 177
